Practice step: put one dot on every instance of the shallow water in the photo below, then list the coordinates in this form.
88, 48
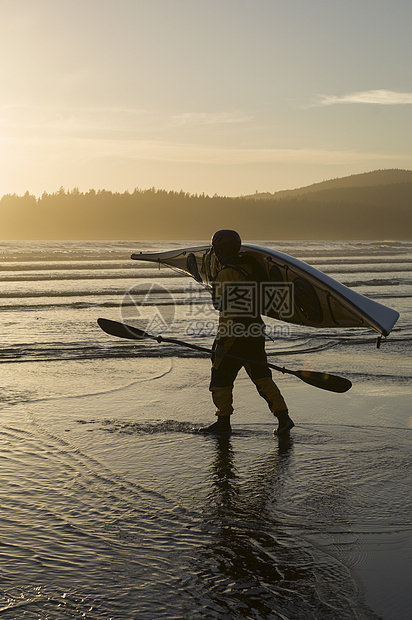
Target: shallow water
114, 506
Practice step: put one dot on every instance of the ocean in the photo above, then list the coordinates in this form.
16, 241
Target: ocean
115, 507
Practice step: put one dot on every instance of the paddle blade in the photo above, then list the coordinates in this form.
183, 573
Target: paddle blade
114, 328
324, 381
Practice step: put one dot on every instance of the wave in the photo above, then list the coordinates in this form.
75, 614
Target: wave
70, 282
55, 352
106, 349
151, 294
374, 282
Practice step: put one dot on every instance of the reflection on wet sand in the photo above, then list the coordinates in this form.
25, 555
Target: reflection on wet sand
251, 566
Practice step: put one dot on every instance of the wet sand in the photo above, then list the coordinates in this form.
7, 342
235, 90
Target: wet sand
339, 489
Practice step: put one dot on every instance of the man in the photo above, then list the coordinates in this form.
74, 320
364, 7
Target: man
235, 294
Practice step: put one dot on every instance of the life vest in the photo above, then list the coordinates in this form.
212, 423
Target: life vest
249, 266
253, 274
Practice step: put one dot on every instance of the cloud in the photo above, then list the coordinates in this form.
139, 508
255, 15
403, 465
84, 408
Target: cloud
70, 119
375, 97
36, 164
94, 149
105, 122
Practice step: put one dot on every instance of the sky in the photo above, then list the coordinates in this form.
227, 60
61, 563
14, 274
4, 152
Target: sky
223, 97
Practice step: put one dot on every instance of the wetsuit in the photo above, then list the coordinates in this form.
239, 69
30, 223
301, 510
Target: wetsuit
240, 333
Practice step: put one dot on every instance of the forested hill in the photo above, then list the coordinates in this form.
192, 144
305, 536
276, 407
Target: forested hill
376, 205
376, 178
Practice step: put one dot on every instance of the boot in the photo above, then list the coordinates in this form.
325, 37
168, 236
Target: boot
285, 423
221, 427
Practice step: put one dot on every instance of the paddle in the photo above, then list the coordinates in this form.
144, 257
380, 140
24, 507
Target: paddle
321, 380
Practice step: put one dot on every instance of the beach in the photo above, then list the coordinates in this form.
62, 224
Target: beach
115, 506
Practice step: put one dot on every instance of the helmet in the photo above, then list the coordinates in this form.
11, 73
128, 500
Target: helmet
226, 243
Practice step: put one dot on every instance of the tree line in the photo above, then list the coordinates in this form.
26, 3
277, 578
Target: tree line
377, 212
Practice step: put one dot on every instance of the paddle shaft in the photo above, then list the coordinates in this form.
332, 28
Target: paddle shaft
324, 381
235, 357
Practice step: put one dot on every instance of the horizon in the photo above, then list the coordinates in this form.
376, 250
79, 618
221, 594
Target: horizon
73, 190
206, 97
344, 208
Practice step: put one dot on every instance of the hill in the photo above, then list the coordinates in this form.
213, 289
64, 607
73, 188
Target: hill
365, 179
376, 205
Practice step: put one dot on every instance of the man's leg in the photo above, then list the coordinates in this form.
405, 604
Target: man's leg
224, 372
262, 378
268, 389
